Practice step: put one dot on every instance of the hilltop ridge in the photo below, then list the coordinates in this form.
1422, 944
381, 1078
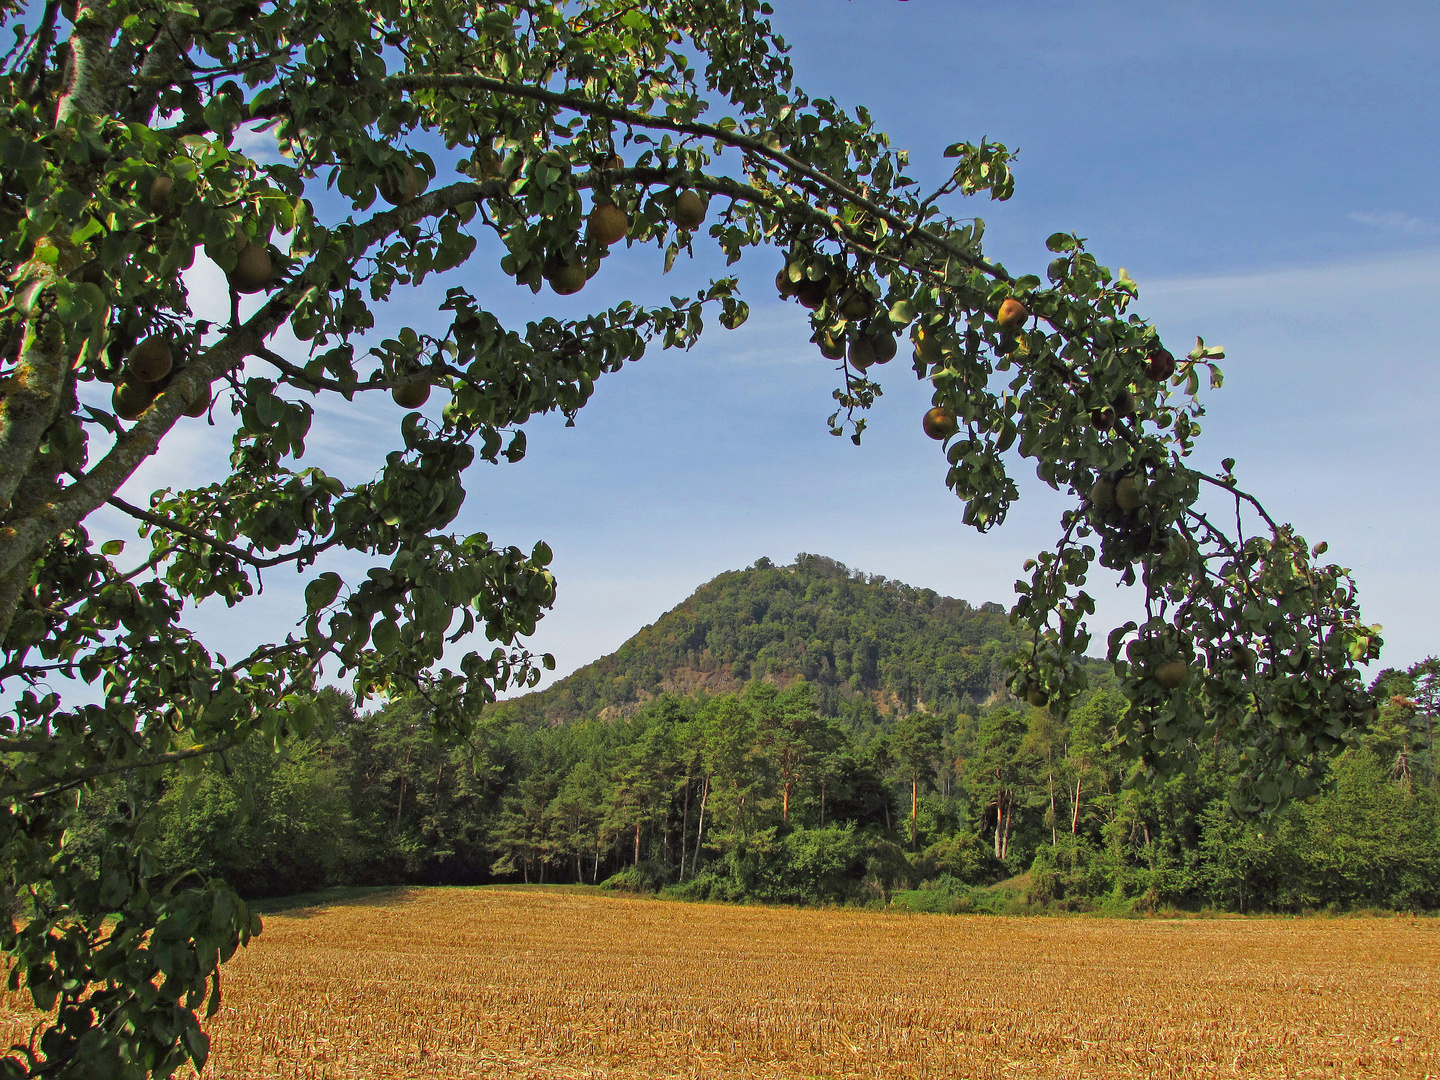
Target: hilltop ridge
871, 646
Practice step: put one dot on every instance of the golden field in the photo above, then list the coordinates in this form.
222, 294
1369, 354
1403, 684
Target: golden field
524, 983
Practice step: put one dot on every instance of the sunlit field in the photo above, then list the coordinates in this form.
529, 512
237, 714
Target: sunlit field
524, 983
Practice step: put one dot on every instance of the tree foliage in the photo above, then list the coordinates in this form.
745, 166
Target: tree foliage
119, 164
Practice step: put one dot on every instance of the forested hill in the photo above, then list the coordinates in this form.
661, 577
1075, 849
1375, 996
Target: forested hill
869, 645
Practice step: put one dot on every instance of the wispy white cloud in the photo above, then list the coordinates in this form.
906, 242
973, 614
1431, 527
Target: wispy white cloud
1394, 221
260, 145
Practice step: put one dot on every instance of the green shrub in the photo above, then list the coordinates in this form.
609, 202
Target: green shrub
643, 877
838, 864
925, 901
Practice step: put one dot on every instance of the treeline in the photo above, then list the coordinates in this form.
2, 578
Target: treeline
760, 796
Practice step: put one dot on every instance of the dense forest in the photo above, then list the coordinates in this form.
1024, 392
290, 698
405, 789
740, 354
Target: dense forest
805, 734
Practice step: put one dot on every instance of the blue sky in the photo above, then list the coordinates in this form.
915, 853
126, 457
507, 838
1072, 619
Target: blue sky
1266, 172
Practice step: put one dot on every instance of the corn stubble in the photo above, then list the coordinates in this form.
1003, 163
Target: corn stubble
490, 983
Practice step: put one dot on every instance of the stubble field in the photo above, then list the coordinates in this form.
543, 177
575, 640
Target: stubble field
490, 982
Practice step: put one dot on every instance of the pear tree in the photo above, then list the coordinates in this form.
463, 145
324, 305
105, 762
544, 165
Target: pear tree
526, 141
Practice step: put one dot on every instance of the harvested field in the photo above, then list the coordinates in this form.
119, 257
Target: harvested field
492, 982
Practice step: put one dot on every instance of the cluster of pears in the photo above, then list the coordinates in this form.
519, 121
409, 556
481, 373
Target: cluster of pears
1121, 407
1109, 492
149, 368
567, 270
1128, 537
816, 281
160, 199
855, 328
151, 365
1159, 366
163, 197
1021, 686
940, 422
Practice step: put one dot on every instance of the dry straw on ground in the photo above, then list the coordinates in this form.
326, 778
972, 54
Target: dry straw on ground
460, 983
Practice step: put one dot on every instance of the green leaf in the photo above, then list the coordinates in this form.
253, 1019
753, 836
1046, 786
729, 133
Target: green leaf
1007, 436
197, 1046
322, 591
112, 547
386, 636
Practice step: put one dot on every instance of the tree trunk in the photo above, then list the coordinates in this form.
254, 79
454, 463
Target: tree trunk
700, 825
685, 829
400, 806
1002, 835
914, 810
785, 802
1075, 808
637, 843
1054, 837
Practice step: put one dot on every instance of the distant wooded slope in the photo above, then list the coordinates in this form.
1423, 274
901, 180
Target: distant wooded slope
870, 645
